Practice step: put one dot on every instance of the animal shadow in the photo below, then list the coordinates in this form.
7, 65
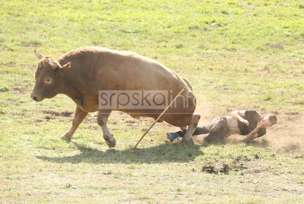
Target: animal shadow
155, 154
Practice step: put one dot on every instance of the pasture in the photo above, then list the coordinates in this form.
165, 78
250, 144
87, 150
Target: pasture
236, 54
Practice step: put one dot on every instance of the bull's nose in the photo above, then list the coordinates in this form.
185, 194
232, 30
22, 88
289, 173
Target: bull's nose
35, 98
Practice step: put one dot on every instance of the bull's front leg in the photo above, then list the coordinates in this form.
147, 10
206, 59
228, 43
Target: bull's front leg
78, 118
102, 120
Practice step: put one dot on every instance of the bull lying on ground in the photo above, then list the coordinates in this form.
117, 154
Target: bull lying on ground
82, 73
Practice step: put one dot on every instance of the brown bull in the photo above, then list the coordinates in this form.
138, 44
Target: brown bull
83, 73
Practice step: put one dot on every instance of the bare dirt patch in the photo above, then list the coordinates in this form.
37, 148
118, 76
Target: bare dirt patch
288, 134
216, 168
240, 163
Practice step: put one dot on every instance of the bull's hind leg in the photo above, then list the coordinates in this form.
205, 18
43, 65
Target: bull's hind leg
78, 118
102, 120
191, 128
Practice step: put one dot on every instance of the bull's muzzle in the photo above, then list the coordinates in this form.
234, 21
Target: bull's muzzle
36, 98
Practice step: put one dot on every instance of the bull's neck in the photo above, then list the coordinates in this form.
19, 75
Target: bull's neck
68, 87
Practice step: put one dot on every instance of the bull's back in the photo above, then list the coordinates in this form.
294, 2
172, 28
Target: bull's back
130, 71
109, 69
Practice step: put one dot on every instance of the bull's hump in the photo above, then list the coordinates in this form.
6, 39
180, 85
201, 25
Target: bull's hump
138, 61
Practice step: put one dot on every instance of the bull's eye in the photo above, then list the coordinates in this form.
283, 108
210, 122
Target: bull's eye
48, 80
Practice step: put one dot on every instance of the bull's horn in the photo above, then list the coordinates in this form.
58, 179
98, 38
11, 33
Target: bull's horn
38, 55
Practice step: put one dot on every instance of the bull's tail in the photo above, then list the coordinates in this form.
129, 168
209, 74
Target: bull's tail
188, 84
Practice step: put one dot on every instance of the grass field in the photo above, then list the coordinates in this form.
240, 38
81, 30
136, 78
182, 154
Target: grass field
236, 54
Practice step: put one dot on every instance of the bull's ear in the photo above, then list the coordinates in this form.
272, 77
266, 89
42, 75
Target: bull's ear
66, 65
38, 55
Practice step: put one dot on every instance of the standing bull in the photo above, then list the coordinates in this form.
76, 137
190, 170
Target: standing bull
82, 73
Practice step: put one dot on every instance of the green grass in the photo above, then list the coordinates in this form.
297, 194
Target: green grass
236, 54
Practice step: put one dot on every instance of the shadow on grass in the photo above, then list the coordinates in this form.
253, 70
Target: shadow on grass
155, 154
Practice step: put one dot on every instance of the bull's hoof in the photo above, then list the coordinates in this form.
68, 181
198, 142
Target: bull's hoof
67, 137
188, 141
111, 142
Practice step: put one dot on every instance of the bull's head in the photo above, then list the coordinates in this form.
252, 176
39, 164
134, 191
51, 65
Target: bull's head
48, 80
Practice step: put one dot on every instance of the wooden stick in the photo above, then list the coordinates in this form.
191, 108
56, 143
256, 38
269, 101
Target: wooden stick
157, 119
